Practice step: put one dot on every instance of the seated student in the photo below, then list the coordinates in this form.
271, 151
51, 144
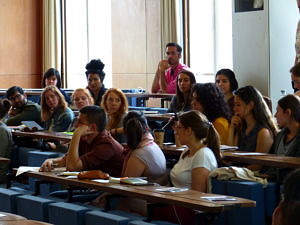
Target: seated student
95, 76
22, 109
91, 147
52, 77
202, 155
168, 70
287, 141
288, 210
209, 99
5, 139
252, 126
145, 158
183, 98
81, 97
56, 115
195, 163
226, 81
116, 106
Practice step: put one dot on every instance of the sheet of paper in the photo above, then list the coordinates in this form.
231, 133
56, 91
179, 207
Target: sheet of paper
171, 189
218, 198
23, 169
249, 153
101, 181
2, 215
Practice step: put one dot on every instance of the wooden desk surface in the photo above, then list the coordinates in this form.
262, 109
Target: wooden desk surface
4, 160
10, 217
162, 117
262, 159
190, 199
59, 136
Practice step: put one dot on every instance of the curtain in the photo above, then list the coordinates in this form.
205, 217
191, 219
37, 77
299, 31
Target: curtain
52, 35
168, 23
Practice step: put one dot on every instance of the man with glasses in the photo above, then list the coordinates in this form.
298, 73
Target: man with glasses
21, 108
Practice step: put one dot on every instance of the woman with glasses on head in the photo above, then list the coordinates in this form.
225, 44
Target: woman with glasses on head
252, 126
226, 81
183, 98
202, 155
116, 107
209, 99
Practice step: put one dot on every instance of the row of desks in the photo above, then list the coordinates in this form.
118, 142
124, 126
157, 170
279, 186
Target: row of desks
233, 156
189, 199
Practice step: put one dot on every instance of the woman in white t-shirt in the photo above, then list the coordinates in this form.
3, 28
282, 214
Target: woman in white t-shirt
203, 152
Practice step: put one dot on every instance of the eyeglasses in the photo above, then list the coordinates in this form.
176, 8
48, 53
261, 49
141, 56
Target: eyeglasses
13, 98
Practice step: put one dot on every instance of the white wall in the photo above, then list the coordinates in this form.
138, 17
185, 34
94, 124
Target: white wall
284, 16
251, 48
263, 47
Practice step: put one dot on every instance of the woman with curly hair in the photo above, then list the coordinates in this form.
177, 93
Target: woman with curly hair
252, 126
226, 81
182, 100
116, 106
209, 99
95, 76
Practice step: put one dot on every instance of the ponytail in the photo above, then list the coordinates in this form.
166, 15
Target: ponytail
213, 142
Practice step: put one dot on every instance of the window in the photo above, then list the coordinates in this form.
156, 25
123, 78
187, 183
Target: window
210, 38
88, 36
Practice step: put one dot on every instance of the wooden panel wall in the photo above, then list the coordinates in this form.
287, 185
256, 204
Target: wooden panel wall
20, 43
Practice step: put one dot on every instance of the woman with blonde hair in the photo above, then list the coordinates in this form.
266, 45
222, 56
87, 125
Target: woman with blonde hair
115, 105
81, 97
56, 114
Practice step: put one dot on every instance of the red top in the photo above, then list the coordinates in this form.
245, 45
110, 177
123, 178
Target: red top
104, 153
172, 76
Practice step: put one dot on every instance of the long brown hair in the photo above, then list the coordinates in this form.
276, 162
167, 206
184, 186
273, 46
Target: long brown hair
203, 130
45, 109
115, 118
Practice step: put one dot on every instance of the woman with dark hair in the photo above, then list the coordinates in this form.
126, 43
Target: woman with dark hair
56, 114
116, 106
209, 99
95, 76
145, 158
252, 127
226, 81
183, 98
288, 210
202, 155
52, 77
5, 139
287, 141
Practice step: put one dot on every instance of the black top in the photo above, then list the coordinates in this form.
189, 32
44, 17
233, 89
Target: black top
97, 99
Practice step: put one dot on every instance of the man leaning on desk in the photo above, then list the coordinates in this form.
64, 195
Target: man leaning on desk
91, 147
22, 109
168, 69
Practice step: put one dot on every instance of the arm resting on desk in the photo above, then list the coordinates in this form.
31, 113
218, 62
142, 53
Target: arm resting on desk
50, 164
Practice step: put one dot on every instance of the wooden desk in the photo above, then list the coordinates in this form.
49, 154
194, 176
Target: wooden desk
163, 96
263, 159
190, 199
58, 136
10, 217
162, 117
4, 160
172, 150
